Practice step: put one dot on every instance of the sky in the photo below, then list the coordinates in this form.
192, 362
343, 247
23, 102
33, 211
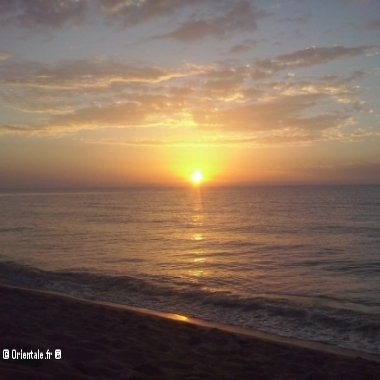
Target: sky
113, 93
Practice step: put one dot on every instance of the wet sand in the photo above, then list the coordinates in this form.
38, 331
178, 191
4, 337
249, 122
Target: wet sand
104, 342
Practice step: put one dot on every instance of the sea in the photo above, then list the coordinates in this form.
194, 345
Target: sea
295, 261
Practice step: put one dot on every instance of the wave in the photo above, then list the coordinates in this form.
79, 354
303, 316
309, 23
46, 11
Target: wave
336, 324
15, 229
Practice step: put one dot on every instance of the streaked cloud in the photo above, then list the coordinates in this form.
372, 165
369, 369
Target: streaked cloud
45, 14
129, 13
243, 46
89, 73
288, 137
72, 85
241, 17
4, 56
41, 14
226, 96
373, 25
366, 172
313, 56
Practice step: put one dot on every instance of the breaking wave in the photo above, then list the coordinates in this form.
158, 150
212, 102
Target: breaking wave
333, 323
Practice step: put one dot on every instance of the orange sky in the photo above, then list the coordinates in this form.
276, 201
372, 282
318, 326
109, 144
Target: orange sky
145, 93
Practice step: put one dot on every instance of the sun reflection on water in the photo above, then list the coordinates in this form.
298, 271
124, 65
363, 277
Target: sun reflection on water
179, 317
196, 221
197, 237
196, 273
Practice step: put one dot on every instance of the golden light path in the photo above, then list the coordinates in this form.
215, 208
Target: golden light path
197, 177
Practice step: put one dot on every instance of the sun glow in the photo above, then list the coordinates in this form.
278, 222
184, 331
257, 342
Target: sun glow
197, 177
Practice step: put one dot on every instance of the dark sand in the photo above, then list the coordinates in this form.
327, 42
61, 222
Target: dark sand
103, 342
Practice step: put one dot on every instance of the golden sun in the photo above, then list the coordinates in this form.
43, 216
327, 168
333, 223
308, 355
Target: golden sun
197, 177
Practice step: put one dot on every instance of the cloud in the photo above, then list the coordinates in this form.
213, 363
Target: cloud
300, 20
349, 173
288, 111
203, 142
373, 25
244, 46
312, 56
43, 13
242, 17
148, 110
280, 113
20, 129
90, 73
289, 137
222, 83
63, 88
137, 12
225, 97
336, 89
134, 110
4, 56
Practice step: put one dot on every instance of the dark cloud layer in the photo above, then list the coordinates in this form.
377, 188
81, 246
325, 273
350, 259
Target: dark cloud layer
43, 13
57, 14
236, 16
129, 13
241, 17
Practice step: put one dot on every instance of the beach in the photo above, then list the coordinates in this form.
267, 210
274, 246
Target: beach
104, 342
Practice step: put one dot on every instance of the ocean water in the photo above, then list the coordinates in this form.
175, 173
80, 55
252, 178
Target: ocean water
302, 262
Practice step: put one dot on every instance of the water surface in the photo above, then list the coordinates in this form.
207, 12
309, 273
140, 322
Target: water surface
295, 261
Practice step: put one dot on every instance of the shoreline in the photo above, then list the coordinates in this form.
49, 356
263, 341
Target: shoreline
312, 345
87, 331
256, 334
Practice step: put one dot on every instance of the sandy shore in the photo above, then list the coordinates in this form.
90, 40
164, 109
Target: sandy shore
103, 342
